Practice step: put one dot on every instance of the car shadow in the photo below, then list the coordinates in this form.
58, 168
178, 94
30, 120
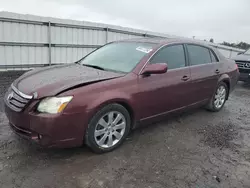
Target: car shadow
245, 85
54, 154
168, 120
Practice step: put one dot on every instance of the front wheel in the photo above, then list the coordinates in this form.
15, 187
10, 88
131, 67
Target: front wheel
108, 128
219, 98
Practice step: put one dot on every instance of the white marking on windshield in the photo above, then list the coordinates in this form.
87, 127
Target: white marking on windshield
143, 49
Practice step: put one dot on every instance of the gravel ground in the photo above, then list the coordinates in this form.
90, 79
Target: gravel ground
198, 149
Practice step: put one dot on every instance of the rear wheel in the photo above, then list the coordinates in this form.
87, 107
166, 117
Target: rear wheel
108, 128
219, 98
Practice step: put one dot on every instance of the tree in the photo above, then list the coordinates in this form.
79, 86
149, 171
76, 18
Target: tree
211, 40
241, 45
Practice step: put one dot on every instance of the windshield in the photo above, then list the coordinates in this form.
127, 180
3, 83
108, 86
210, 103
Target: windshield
247, 52
121, 57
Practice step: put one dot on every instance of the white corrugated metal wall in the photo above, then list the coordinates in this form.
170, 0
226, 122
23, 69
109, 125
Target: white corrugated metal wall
29, 41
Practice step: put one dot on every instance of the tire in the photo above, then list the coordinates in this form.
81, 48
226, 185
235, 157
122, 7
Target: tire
213, 105
101, 129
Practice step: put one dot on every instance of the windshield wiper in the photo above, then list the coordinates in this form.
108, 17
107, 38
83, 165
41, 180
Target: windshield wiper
93, 66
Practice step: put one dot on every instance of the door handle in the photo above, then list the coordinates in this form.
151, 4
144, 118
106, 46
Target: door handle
185, 78
217, 71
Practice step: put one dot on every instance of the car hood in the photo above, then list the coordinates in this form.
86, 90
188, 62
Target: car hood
52, 80
242, 57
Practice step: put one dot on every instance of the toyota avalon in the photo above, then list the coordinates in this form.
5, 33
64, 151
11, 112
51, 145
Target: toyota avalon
98, 100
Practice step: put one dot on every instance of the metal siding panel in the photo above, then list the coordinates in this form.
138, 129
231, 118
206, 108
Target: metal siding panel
224, 52
93, 36
24, 55
79, 37
234, 54
63, 55
6, 31
22, 32
2, 55
38, 56
102, 37
59, 57
30, 33
74, 36
1, 31
96, 37
69, 55
63, 35
19, 55
74, 54
38, 36
9, 55
58, 33
55, 35
86, 36
87, 51
16, 55
15, 33
117, 36
45, 55
44, 31
69, 36
53, 55
31, 55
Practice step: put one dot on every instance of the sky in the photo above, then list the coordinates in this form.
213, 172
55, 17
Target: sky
222, 20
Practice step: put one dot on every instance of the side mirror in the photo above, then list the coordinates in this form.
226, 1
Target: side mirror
158, 68
239, 53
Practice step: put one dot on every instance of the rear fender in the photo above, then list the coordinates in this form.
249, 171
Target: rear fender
224, 77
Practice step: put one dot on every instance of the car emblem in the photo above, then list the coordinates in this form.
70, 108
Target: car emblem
247, 65
10, 96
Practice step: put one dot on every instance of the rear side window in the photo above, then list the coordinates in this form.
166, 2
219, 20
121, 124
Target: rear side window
198, 55
174, 56
213, 56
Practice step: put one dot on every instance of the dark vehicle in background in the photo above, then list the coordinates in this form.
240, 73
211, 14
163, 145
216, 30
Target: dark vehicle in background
99, 99
243, 62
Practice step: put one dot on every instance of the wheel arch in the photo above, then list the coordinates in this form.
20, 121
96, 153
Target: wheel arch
226, 79
121, 101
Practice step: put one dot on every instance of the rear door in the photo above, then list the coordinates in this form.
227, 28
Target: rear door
160, 93
205, 71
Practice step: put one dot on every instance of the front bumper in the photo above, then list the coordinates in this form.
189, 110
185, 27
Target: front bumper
60, 130
244, 77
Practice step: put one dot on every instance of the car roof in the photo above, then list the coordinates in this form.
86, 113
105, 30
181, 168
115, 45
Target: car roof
164, 41
158, 40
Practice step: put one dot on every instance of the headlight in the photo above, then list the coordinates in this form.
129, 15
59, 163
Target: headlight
53, 105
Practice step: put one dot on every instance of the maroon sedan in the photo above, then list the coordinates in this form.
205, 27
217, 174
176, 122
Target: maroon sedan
121, 85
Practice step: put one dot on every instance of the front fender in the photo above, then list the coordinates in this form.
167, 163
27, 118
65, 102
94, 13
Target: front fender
108, 98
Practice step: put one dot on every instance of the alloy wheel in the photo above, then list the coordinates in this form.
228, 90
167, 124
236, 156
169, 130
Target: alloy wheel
220, 97
110, 129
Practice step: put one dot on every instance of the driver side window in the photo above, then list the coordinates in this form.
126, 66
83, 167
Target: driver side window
174, 56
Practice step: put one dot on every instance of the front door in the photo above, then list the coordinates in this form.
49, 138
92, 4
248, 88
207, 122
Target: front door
161, 93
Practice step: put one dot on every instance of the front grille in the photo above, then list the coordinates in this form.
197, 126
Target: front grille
240, 64
243, 64
17, 100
